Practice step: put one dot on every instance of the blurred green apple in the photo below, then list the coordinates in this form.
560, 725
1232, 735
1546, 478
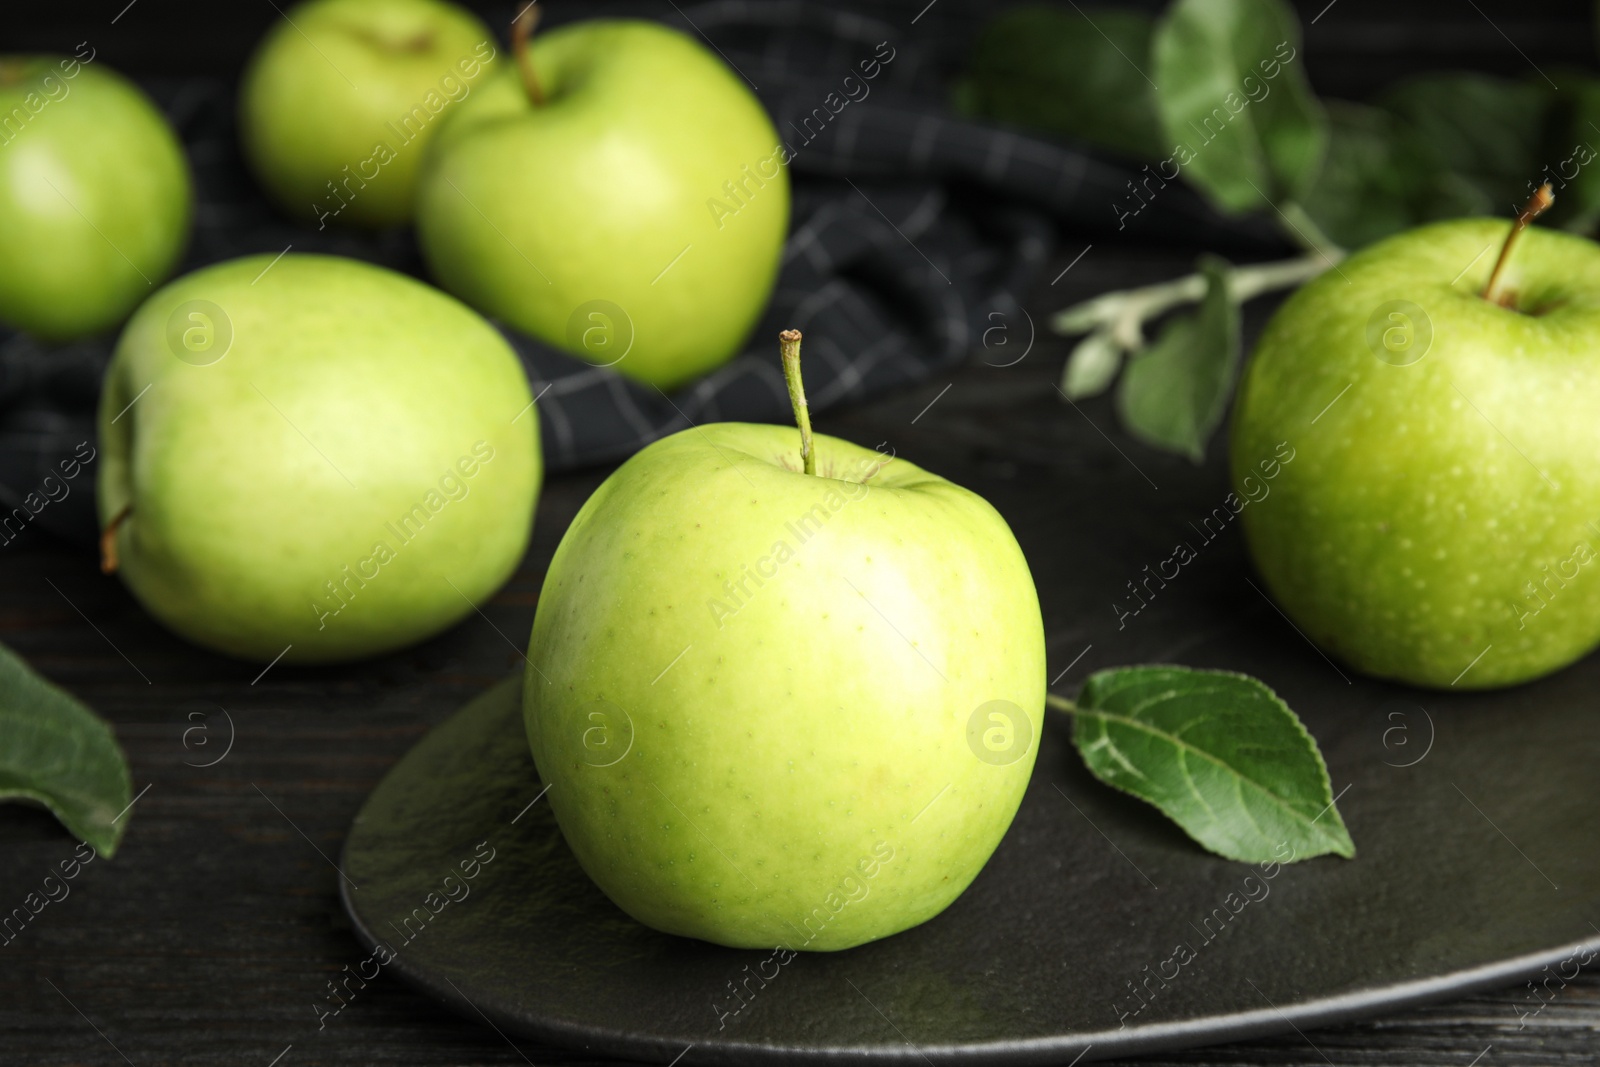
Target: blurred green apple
1435, 521
95, 197
342, 97
780, 708
634, 214
314, 457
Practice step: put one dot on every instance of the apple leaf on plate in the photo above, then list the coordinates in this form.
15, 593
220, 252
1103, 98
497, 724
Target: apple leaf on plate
1071, 73
1218, 753
1173, 393
54, 751
1234, 94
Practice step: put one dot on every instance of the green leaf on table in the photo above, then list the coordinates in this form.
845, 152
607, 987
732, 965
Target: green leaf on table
1174, 393
1489, 132
1092, 365
56, 752
1073, 73
1235, 101
1378, 178
1218, 753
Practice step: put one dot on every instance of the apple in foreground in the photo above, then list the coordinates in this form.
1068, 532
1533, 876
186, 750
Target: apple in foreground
783, 708
1437, 523
625, 198
313, 458
95, 197
342, 96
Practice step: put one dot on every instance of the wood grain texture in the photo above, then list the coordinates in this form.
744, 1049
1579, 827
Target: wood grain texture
211, 938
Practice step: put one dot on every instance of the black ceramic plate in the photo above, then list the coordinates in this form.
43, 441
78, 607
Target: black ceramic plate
1096, 928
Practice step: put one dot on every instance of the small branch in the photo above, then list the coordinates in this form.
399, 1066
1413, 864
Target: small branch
1060, 704
789, 346
522, 28
1303, 230
108, 541
1123, 314
1537, 205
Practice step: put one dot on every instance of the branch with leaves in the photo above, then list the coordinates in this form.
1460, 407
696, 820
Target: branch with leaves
1235, 118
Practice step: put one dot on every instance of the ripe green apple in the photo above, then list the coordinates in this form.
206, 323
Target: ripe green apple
784, 709
1437, 519
342, 97
634, 217
95, 196
314, 458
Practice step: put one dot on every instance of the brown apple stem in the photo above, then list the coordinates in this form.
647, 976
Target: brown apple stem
789, 346
522, 28
1537, 205
108, 541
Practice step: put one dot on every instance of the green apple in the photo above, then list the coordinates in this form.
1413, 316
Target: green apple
780, 708
313, 457
342, 97
634, 216
1435, 522
95, 197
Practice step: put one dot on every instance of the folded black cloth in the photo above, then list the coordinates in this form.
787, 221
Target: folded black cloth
914, 235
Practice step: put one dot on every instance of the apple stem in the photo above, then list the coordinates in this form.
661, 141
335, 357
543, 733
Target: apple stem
789, 345
522, 28
108, 541
1537, 205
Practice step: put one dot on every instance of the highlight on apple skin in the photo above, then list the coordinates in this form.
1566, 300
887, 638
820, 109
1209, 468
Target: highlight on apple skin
313, 458
95, 195
1437, 524
610, 192
837, 677
340, 99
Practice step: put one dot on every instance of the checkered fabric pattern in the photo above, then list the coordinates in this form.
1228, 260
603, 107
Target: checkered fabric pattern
914, 234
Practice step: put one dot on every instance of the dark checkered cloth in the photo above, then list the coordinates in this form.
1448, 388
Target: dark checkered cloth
914, 234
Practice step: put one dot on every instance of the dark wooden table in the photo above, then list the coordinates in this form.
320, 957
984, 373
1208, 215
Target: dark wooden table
211, 936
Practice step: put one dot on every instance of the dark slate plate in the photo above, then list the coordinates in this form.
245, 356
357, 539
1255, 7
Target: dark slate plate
1474, 816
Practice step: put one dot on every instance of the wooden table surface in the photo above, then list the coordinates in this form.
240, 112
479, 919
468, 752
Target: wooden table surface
210, 937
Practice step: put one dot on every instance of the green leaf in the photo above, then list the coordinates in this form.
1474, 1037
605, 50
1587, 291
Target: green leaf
1173, 393
1219, 753
1092, 365
1378, 178
1072, 73
1235, 101
1573, 165
1489, 132
56, 752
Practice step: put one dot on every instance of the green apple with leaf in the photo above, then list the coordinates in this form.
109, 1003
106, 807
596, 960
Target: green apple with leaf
1438, 524
785, 690
620, 194
341, 98
313, 458
95, 196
